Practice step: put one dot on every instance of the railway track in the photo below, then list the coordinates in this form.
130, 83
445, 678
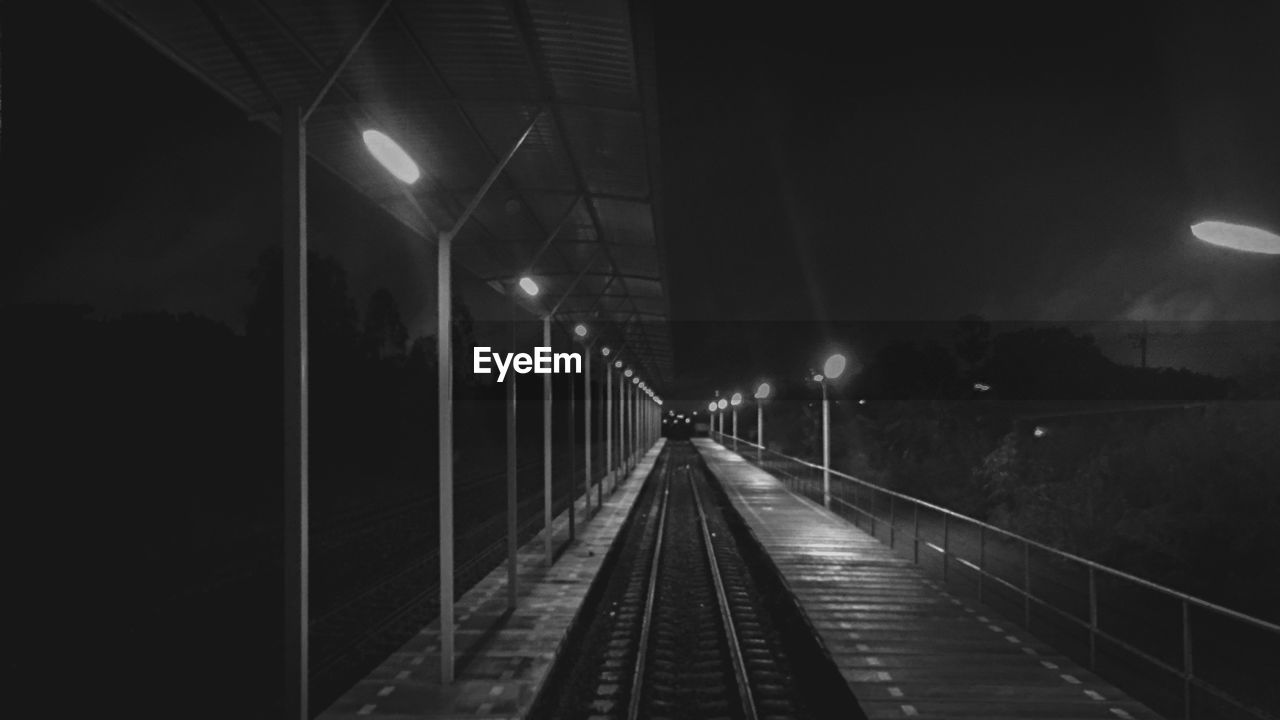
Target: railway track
683, 629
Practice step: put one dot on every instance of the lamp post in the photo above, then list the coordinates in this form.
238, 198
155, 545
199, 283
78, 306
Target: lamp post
762, 393
398, 163
831, 370
635, 422
581, 331
721, 404
608, 426
735, 401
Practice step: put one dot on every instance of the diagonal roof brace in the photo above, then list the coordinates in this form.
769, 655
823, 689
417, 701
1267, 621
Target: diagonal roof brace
337, 69
574, 284
551, 236
493, 177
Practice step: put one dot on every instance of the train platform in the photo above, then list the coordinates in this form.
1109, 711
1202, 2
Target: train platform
907, 646
503, 657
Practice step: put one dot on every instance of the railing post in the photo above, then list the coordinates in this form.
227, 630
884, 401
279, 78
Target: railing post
871, 514
982, 561
1093, 619
857, 509
946, 545
573, 463
1187, 668
893, 521
1026, 585
915, 536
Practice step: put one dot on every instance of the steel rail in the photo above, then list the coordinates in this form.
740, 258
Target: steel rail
726, 613
637, 677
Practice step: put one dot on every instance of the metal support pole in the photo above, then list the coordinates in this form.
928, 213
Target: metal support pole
826, 449
1026, 585
946, 546
760, 432
573, 460
546, 448
1188, 670
513, 502
444, 389
915, 536
635, 425
982, 562
608, 428
735, 429
1093, 619
628, 421
296, 433
444, 392
586, 431
871, 513
893, 521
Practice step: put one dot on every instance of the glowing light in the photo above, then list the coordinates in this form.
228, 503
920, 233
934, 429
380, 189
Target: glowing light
736, 400
617, 363
711, 407
817, 378
391, 156
981, 387
580, 330
529, 286
605, 351
635, 381
722, 404
686, 421
862, 401
1237, 237
834, 366
763, 390
628, 373
1040, 431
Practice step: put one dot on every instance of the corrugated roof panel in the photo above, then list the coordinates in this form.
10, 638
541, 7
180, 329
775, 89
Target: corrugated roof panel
587, 50
454, 82
609, 147
388, 66
627, 223
541, 162
634, 260
475, 46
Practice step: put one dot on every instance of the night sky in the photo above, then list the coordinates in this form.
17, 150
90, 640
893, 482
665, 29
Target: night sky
1027, 162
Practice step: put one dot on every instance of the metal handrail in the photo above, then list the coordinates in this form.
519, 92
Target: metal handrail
1186, 672
1199, 602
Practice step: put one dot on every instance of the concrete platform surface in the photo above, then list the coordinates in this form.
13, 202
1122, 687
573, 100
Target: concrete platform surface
503, 657
907, 646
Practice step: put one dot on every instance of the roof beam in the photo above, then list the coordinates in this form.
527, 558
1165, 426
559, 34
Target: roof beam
523, 18
332, 76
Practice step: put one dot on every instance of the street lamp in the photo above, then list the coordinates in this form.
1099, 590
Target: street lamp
735, 401
762, 394
529, 286
392, 157
581, 331
831, 369
1237, 237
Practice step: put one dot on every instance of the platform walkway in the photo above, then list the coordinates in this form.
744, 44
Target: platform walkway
907, 646
503, 659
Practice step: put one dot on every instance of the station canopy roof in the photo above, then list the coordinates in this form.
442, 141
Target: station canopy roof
456, 83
